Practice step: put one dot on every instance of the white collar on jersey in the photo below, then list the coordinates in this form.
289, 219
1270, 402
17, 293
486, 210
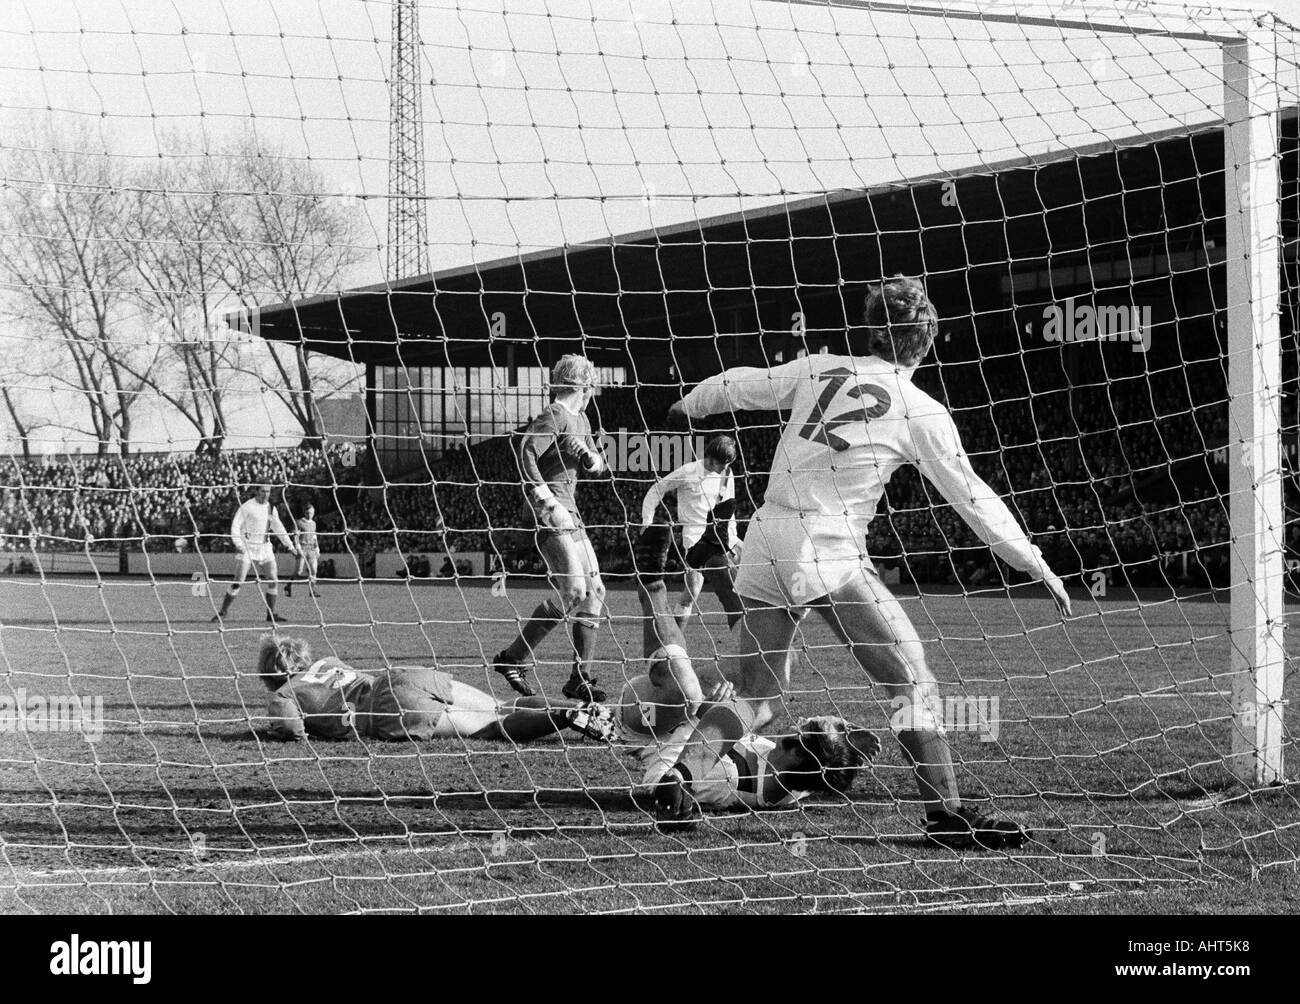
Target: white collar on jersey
903, 371
572, 411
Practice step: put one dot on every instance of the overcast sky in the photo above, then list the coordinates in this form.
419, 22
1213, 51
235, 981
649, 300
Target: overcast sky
568, 120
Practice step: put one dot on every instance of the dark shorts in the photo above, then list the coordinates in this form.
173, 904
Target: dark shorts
705, 554
408, 702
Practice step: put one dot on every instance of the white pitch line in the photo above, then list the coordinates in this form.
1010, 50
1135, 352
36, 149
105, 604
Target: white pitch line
200, 865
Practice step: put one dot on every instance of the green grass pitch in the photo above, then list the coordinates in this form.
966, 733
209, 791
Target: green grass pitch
1111, 734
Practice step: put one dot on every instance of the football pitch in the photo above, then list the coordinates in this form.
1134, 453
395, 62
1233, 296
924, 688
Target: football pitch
1108, 740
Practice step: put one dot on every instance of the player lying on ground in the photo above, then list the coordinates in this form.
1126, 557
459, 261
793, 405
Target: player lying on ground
659, 712
304, 535
854, 420
742, 768
327, 699
551, 450
706, 508
250, 531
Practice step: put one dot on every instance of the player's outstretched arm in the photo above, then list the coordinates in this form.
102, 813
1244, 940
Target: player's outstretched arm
667, 485
743, 388
942, 459
237, 530
277, 528
286, 724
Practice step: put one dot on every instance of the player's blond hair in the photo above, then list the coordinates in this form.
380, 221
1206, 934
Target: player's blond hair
901, 321
279, 658
572, 372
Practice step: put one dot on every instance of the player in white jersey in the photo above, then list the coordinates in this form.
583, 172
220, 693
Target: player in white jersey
706, 491
854, 420
746, 770
661, 710
304, 535
251, 531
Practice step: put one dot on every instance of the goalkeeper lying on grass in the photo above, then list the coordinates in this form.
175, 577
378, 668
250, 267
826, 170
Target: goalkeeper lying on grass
662, 709
327, 699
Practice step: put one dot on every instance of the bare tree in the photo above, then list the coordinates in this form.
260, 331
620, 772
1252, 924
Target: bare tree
287, 240
23, 425
68, 276
175, 238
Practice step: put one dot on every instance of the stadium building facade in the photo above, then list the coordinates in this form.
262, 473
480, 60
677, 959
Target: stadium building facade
1095, 269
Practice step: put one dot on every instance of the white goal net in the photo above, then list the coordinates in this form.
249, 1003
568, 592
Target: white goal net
337, 249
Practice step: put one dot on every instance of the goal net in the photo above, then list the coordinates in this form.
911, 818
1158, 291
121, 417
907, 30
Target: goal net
336, 249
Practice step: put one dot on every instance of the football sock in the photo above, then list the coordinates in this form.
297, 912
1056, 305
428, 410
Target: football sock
584, 645
721, 581
532, 718
543, 621
931, 761
652, 553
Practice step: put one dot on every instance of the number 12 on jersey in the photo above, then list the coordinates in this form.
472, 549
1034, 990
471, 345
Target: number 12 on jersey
821, 429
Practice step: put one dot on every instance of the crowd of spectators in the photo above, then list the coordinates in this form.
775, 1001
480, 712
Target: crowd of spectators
102, 501
1118, 482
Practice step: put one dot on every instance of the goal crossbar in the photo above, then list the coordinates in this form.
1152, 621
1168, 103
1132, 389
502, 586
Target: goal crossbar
1038, 21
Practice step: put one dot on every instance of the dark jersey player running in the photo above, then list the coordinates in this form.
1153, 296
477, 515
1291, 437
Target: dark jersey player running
551, 450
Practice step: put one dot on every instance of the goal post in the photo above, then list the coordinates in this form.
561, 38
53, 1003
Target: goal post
1253, 233
1253, 221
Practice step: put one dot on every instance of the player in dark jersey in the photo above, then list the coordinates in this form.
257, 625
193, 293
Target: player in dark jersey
328, 699
551, 451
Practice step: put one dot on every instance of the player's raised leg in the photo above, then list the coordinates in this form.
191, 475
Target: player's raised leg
662, 641
693, 583
719, 574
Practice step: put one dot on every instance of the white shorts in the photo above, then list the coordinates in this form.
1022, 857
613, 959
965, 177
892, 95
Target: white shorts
791, 559
266, 570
